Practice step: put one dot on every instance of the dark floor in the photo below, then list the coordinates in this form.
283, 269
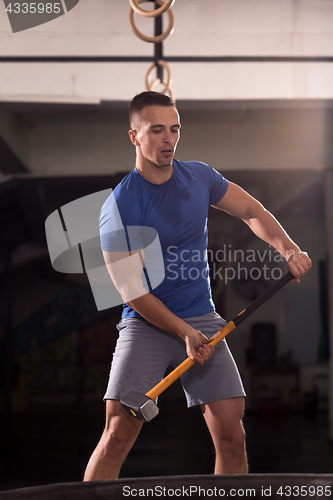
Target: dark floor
54, 445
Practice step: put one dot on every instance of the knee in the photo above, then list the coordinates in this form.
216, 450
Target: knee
239, 437
114, 445
233, 440
118, 437
115, 440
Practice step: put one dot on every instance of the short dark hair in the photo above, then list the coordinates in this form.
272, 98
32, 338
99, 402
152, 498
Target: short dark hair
148, 98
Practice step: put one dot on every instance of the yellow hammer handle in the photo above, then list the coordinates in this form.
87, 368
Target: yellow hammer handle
185, 365
177, 372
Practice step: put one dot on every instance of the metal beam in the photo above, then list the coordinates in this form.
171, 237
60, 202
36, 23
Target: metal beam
175, 59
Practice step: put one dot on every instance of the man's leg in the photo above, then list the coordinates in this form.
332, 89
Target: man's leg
224, 421
120, 433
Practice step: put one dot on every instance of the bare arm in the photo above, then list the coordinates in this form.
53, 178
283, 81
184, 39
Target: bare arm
239, 203
126, 273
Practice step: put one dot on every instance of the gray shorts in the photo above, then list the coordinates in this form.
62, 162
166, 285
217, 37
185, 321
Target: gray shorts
144, 352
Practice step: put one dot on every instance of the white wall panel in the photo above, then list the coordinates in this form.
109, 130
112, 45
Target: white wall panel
120, 81
202, 28
220, 27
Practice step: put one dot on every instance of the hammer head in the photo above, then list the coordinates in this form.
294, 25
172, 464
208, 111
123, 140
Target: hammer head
139, 406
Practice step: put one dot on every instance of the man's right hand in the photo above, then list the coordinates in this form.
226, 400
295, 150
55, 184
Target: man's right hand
127, 278
196, 346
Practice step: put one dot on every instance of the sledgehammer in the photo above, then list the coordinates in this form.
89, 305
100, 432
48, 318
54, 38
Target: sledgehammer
143, 406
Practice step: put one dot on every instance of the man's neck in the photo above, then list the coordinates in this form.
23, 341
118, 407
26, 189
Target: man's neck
155, 174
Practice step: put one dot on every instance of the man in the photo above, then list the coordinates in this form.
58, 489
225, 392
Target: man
161, 326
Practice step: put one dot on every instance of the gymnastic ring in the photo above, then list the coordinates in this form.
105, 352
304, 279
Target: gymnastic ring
166, 83
152, 39
151, 13
167, 88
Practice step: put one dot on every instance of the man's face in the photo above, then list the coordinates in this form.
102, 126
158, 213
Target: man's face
157, 135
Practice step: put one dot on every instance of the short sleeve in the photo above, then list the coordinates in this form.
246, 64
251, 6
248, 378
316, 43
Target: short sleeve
220, 186
111, 230
118, 224
216, 183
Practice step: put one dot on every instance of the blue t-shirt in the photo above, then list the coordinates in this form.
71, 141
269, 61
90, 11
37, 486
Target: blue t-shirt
178, 211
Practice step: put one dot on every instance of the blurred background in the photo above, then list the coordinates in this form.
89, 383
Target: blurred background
253, 82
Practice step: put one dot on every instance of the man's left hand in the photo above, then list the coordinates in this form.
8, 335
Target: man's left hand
298, 264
